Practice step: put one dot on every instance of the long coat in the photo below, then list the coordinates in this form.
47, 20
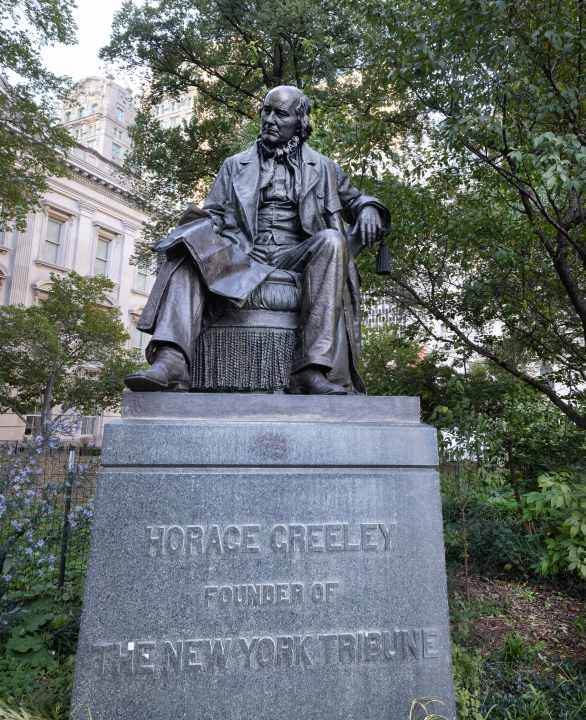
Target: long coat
327, 199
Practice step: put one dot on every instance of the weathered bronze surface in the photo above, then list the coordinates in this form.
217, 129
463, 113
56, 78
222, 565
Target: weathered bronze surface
277, 210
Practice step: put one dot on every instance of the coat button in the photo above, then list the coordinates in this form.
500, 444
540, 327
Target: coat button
320, 195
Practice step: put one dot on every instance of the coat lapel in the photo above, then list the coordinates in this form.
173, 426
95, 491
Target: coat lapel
246, 182
309, 175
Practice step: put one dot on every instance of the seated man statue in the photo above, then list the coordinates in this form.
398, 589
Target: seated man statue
280, 205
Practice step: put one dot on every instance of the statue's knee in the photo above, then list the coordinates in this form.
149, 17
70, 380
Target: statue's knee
333, 240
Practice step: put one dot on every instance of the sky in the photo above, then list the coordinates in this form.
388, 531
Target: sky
94, 22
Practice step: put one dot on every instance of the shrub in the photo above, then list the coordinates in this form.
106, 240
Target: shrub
560, 505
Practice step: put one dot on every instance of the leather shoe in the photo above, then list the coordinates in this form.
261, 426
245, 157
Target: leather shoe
169, 373
311, 381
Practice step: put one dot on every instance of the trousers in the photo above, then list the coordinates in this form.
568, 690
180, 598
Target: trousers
322, 259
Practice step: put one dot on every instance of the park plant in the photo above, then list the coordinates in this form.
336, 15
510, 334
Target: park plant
33, 145
67, 353
41, 579
489, 236
560, 508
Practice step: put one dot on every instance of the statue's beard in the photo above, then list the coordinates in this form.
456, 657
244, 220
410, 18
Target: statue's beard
285, 150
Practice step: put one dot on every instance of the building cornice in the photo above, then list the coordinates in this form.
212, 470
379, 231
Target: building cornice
67, 190
48, 204
86, 207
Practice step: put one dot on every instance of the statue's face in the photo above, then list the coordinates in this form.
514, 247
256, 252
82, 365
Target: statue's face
278, 120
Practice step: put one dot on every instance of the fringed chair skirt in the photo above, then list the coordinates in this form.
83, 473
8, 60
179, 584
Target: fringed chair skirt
250, 349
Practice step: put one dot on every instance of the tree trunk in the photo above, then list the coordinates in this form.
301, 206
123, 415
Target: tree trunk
515, 482
47, 401
463, 509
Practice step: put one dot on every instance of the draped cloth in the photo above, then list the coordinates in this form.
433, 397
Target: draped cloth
220, 238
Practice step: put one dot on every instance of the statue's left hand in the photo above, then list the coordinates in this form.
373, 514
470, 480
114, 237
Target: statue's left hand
369, 226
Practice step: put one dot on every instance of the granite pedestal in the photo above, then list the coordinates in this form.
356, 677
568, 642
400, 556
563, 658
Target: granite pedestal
265, 556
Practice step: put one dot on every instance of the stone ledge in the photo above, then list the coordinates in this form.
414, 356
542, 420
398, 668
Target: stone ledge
256, 407
216, 443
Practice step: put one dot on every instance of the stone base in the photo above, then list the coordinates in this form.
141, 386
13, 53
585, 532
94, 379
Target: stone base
265, 556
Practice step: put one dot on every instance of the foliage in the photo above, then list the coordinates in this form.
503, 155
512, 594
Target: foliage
37, 652
8, 713
552, 691
467, 668
496, 540
560, 506
489, 233
70, 350
424, 709
32, 145
39, 621
392, 364
28, 499
232, 54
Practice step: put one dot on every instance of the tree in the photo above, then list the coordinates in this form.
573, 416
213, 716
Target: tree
394, 365
32, 145
233, 53
68, 351
490, 230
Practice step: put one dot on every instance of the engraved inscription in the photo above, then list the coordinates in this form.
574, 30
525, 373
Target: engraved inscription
251, 594
220, 541
150, 658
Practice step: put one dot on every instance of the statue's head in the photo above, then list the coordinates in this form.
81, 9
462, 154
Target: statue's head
284, 113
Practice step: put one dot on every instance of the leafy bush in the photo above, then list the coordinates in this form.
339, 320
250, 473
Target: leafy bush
560, 505
495, 535
467, 674
554, 691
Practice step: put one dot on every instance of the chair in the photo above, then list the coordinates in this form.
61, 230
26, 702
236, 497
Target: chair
251, 348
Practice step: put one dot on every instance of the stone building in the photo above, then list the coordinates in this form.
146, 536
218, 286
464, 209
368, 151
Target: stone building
170, 113
100, 115
89, 224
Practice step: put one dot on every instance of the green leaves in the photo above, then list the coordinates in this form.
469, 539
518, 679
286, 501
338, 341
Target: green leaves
561, 506
70, 350
32, 145
488, 231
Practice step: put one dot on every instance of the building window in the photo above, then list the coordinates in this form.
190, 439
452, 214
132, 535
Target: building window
91, 130
91, 144
53, 239
138, 338
119, 114
80, 112
67, 117
118, 133
102, 257
142, 276
94, 108
76, 134
173, 121
33, 424
88, 426
188, 117
116, 150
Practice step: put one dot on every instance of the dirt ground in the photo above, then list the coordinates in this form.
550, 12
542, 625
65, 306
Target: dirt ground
536, 612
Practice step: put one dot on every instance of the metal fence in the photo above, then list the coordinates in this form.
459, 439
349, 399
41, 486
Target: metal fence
46, 507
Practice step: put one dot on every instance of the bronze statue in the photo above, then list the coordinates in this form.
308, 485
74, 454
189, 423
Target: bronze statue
279, 205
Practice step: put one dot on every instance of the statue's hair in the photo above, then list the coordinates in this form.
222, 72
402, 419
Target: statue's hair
303, 111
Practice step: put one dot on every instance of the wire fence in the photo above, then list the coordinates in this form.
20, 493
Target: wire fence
46, 508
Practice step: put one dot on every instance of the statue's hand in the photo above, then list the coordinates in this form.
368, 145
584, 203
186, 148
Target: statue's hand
369, 226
